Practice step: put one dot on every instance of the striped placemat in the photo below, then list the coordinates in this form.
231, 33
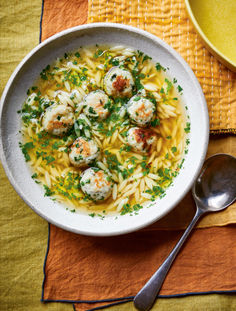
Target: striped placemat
168, 20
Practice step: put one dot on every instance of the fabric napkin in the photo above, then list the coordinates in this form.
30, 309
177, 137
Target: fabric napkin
93, 272
89, 269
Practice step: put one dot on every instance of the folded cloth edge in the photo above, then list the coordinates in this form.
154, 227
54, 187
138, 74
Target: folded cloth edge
118, 299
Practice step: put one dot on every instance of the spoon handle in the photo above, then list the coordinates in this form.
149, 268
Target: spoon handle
145, 298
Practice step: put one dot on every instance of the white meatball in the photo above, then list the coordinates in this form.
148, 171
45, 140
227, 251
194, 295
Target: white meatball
96, 184
57, 119
97, 104
83, 151
140, 110
118, 82
141, 140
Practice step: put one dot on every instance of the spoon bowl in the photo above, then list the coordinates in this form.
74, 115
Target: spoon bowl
214, 190
215, 187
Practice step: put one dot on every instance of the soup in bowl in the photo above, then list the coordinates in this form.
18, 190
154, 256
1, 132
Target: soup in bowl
106, 131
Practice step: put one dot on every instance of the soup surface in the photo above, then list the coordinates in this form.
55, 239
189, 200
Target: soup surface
104, 130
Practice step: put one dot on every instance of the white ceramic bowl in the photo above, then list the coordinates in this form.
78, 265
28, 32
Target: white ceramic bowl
28, 70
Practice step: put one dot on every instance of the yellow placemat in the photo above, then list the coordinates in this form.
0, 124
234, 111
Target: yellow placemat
168, 20
23, 234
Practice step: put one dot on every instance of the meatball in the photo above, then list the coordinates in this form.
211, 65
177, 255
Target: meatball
96, 184
97, 104
141, 140
118, 82
140, 110
58, 119
83, 151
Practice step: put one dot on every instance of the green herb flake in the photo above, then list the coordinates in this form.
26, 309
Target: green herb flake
25, 148
49, 159
162, 91
169, 85
48, 191
45, 143
146, 57
98, 53
56, 145
155, 122
187, 128
43, 73
159, 67
35, 175
92, 215
179, 88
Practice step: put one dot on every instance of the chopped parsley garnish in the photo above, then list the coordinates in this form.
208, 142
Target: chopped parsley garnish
162, 91
127, 208
92, 111
145, 167
146, 57
56, 145
49, 159
179, 88
187, 128
68, 184
114, 62
169, 85
98, 53
155, 122
45, 143
35, 175
25, 148
48, 191
159, 67
43, 73
126, 148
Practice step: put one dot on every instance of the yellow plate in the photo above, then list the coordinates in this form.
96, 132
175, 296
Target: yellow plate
215, 21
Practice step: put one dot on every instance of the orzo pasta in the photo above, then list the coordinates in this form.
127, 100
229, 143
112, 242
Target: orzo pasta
104, 130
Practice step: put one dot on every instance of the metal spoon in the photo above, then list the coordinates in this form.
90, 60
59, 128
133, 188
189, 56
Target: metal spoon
214, 190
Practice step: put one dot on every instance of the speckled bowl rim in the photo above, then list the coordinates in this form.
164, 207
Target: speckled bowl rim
205, 135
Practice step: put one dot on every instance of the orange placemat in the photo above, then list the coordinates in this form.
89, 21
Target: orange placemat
80, 268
